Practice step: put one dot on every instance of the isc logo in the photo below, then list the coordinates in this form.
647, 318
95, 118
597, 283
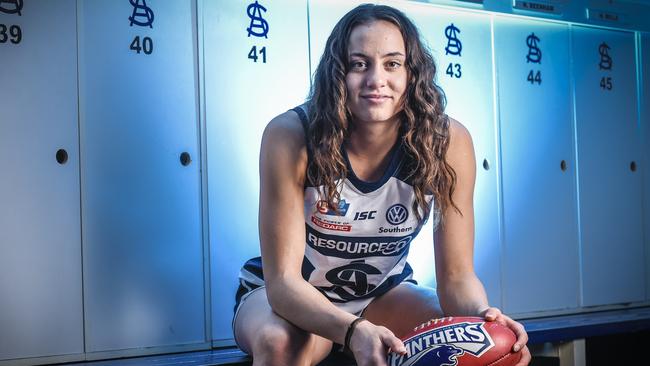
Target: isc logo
364, 215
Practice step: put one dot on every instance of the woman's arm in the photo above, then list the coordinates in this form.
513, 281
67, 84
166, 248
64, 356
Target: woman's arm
459, 289
283, 163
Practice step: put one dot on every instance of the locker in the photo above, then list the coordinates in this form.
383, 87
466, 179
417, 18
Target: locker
540, 263
461, 45
256, 66
609, 180
40, 243
140, 177
644, 68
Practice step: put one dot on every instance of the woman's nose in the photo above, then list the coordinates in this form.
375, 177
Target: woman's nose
376, 77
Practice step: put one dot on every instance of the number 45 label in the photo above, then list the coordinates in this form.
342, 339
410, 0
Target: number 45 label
606, 83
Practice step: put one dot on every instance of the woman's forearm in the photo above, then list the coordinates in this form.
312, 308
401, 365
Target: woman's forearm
295, 300
462, 296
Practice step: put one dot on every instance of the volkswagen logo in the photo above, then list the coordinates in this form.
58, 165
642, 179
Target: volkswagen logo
397, 214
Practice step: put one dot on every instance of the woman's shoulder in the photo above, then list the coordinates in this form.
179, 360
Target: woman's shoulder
283, 145
457, 130
286, 128
461, 146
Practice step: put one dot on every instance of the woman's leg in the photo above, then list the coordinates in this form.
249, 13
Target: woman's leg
404, 307
272, 340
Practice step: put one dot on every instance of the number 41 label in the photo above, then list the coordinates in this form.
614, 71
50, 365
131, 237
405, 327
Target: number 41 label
253, 54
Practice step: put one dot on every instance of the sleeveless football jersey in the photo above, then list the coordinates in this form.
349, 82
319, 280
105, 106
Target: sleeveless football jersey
359, 251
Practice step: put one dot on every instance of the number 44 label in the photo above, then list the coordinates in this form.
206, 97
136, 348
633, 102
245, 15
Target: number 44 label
534, 77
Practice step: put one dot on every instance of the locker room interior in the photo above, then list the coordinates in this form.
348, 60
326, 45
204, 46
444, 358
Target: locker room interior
130, 132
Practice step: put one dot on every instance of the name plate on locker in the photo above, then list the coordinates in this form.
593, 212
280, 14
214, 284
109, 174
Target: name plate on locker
471, 1
605, 16
542, 7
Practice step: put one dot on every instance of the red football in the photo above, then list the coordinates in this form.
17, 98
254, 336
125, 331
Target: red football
458, 341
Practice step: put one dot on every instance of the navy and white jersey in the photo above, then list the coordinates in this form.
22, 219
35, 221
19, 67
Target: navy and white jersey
359, 251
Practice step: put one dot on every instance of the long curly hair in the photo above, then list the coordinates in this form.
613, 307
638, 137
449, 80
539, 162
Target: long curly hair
424, 127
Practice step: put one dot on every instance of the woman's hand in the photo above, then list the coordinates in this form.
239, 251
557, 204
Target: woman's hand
494, 314
370, 344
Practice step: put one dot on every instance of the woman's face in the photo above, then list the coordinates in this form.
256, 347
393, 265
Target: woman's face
377, 75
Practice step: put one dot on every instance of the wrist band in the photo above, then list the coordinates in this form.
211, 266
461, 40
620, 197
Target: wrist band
348, 334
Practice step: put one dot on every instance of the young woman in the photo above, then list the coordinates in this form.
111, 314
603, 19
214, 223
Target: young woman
347, 181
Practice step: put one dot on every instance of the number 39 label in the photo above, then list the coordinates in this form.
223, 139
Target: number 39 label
10, 33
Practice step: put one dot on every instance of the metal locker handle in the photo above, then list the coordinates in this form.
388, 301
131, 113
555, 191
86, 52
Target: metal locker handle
486, 164
186, 159
61, 156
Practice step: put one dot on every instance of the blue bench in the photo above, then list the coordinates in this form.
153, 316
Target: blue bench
579, 326
560, 336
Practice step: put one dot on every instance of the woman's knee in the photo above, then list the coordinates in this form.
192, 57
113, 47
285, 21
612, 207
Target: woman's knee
279, 343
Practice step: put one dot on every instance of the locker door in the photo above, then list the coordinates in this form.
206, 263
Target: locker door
608, 138
143, 256
256, 66
461, 45
40, 242
644, 63
540, 265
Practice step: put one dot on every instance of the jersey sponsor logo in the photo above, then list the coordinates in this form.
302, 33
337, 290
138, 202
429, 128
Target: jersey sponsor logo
397, 214
356, 247
396, 229
470, 337
330, 226
364, 215
352, 277
323, 207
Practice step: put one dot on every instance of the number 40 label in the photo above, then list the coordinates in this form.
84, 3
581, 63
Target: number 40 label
146, 46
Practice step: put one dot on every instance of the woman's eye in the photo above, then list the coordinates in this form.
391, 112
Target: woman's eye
394, 64
357, 65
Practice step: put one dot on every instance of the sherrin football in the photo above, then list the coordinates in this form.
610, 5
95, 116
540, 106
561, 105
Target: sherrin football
458, 341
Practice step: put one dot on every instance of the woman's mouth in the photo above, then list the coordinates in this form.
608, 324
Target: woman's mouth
375, 98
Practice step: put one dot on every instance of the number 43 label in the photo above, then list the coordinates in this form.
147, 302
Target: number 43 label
454, 70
